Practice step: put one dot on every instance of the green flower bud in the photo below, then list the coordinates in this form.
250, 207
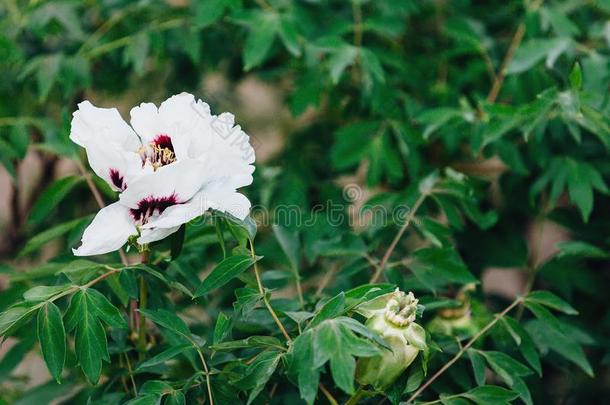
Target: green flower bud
456, 321
392, 316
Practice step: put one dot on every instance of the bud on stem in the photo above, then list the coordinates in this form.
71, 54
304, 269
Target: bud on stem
392, 316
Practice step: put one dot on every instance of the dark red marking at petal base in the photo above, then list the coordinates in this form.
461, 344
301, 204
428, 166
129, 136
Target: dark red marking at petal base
117, 179
149, 205
164, 142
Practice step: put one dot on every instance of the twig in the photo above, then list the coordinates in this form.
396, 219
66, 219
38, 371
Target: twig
353, 400
261, 289
207, 372
508, 58
328, 395
106, 26
126, 40
401, 231
463, 349
325, 280
130, 371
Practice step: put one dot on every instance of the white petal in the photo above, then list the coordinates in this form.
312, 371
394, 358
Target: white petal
181, 179
110, 229
180, 213
153, 235
197, 134
231, 202
223, 146
227, 201
144, 121
115, 165
103, 124
150, 122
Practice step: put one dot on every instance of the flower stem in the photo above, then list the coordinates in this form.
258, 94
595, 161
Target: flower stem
261, 289
328, 395
463, 349
142, 305
356, 397
401, 232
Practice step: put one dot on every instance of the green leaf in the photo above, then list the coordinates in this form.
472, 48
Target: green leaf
155, 387
581, 249
505, 366
259, 40
15, 317
165, 355
46, 74
336, 343
340, 60
175, 398
542, 313
242, 231
576, 77
105, 310
534, 50
436, 267
331, 309
352, 143
51, 197
43, 292
222, 328
552, 336
371, 65
208, 12
249, 342
550, 300
136, 51
90, 344
168, 320
224, 272
258, 373
150, 399
52, 337
526, 345
490, 394
478, 366
51, 234
301, 364
290, 244
289, 35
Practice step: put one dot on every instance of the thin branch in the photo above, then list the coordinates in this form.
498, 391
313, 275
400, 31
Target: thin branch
463, 349
355, 399
261, 289
207, 373
142, 305
401, 232
130, 371
328, 395
508, 58
126, 40
106, 26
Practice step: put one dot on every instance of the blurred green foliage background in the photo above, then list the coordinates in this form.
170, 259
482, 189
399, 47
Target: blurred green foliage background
508, 101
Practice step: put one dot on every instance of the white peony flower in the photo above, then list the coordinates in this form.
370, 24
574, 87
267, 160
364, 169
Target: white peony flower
171, 165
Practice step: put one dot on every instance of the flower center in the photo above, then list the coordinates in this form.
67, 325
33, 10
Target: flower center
160, 152
401, 309
149, 206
